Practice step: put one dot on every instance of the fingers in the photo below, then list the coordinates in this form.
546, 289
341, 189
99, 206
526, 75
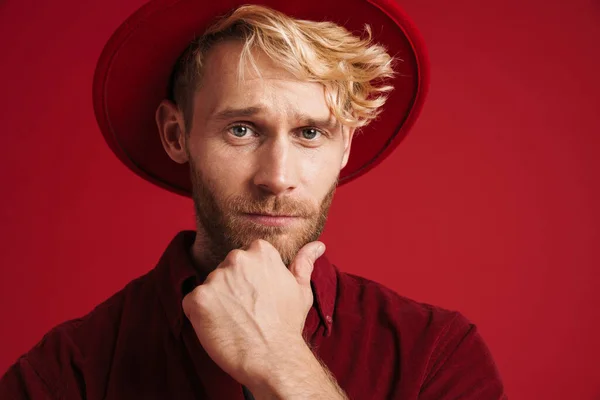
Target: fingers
303, 264
258, 247
301, 267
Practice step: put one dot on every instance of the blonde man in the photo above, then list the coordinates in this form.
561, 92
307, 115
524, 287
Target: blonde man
255, 120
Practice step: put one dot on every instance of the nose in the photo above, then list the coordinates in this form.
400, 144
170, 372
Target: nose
277, 170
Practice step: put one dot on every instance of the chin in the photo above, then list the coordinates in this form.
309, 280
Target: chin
286, 244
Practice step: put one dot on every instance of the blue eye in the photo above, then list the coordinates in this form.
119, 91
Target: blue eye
310, 133
239, 130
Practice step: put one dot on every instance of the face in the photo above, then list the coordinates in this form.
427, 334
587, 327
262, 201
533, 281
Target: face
264, 152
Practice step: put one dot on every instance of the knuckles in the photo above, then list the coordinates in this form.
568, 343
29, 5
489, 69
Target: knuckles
258, 253
199, 298
262, 246
235, 257
258, 247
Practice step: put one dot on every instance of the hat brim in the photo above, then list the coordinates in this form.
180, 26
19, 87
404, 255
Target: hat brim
133, 72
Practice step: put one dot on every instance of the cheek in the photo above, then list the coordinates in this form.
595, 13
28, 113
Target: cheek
320, 171
226, 170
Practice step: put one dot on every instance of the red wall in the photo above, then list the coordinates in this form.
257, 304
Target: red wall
490, 206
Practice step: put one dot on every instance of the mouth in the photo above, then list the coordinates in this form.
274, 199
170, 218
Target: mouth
277, 220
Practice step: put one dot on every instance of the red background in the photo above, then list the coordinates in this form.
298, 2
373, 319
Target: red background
490, 205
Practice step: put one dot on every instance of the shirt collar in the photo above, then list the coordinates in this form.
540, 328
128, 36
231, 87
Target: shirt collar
175, 276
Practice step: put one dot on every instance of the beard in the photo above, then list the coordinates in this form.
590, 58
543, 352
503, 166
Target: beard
226, 228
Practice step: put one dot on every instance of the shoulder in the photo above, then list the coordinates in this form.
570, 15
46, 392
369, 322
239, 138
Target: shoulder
438, 347
71, 348
419, 328
362, 296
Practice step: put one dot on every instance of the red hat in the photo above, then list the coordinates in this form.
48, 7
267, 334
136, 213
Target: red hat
133, 73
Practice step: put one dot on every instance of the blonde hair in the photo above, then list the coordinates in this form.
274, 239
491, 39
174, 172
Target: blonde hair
353, 70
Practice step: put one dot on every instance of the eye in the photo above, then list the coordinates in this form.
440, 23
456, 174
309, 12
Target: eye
310, 133
240, 131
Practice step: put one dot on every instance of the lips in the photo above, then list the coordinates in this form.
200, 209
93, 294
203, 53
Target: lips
277, 220
273, 215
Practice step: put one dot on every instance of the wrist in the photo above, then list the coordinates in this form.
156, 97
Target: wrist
284, 368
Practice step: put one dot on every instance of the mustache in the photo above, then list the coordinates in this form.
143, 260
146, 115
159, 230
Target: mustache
271, 206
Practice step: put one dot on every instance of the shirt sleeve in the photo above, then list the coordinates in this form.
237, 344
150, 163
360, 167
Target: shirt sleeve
461, 366
49, 371
22, 381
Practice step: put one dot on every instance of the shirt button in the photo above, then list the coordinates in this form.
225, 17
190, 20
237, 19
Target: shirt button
328, 319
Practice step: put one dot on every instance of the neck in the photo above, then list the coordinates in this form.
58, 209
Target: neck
203, 258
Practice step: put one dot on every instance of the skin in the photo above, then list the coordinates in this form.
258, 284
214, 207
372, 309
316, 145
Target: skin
282, 156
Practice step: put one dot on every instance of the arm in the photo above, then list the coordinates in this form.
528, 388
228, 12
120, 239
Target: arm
249, 316
22, 381
48, 371
462, 367
297, 374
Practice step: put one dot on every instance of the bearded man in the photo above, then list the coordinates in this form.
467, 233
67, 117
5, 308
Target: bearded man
255, 119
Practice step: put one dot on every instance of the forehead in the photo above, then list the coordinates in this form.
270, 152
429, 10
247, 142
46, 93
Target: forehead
267, 86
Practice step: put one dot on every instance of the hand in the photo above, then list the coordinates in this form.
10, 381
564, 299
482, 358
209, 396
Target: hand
250, 312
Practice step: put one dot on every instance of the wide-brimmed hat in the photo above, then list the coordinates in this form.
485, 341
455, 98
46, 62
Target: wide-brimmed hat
133, 74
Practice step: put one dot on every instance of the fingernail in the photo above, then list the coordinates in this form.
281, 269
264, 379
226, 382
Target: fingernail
320, 250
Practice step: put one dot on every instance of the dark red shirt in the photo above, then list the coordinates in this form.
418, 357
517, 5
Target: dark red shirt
139, 345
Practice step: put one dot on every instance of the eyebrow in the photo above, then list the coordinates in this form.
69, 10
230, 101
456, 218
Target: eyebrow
233, 113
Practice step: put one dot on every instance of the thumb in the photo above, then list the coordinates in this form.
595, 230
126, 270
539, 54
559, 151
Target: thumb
303, 264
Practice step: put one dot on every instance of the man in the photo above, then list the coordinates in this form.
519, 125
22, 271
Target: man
256, 122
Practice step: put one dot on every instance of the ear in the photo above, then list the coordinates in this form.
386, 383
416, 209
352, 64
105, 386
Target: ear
171, 127
347, 134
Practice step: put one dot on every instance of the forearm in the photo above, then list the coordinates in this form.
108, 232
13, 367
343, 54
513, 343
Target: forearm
297, 374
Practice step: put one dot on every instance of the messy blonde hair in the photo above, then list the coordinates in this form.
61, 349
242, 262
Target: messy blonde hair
353, 70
